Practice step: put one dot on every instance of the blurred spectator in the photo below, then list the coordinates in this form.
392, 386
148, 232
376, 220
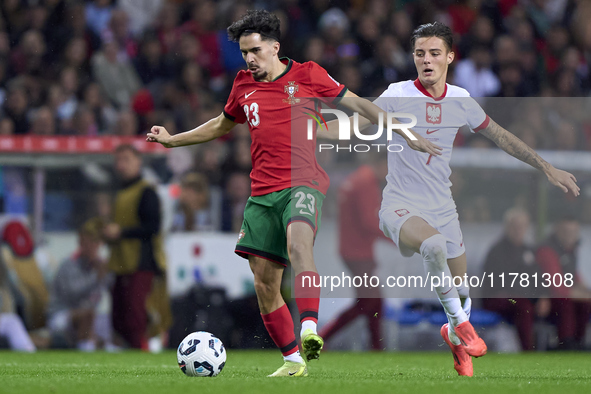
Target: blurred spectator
475, 74
237, 191
523, 33
141, 14
192, 213
117, 78
477, 210
350, 76
511, 81
566, 83
98, 14
512, 254
359, 203
126, 125
505, 51
566, 137
29, 55
390, 64
43, 122
11, 325
482, 33
16, 107
68, 21
104, 114
137, 253
239, 159
77, 289
6, 126
167, 26
192, 85
121, 34
368, 36
334, 27
209, 161
571, 305
202, 26
557, 41
84, 122
69, 88
76, 56
314, 51
150, 64
401, 26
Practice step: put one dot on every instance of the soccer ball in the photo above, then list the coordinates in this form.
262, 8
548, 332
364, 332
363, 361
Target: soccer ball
201, 354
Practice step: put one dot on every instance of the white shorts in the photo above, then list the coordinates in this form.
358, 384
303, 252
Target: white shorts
395, 215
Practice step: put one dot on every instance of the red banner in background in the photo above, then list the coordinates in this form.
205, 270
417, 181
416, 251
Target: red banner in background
74, 144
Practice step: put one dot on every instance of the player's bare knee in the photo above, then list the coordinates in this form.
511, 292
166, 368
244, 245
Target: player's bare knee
265, 289
300, 255
434, 249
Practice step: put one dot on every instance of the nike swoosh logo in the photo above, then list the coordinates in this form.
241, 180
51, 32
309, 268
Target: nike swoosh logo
447, 291
248, 95
292, 373
431, 131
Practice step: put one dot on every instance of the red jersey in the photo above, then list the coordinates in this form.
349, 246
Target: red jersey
359, 203
282, 156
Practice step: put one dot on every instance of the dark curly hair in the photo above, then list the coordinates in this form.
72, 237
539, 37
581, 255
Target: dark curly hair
256, 21
435, 29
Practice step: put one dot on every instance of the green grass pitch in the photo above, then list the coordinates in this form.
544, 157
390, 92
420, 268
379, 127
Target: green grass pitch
335, 372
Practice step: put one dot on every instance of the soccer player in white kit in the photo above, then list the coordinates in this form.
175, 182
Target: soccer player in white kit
418, 212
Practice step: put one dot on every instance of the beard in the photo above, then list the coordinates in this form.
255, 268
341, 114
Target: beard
260, 76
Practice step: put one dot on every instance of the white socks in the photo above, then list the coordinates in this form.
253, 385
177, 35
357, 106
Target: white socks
308, 324
434, 252
464, 293
294, 357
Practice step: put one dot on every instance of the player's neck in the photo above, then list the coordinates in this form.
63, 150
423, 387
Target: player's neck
278, 69
437, 89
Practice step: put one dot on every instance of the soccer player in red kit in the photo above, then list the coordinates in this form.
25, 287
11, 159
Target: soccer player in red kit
282, 215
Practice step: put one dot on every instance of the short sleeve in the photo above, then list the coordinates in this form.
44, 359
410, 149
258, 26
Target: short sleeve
476, 118
233, 110
388, 100
325, 85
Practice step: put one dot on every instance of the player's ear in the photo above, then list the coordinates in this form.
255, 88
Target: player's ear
450, 57
276, 46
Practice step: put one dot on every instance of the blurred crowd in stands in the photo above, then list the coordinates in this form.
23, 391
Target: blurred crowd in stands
115, 67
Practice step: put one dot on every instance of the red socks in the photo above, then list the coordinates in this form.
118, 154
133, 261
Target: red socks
279, 325
307, 295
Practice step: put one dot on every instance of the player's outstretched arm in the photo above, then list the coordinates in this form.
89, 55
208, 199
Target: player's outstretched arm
371, 111
519, 149
208, 131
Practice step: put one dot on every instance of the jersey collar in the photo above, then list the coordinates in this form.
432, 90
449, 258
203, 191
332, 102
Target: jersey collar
289, 63
422, 89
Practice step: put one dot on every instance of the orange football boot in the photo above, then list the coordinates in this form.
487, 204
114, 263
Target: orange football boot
462, 360
473, 344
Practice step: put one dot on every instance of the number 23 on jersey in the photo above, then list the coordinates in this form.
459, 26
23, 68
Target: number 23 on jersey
252, 114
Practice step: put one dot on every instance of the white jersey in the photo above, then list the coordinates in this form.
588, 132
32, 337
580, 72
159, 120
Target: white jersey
416, 178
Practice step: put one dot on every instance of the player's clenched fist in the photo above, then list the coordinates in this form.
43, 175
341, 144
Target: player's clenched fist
159, 134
